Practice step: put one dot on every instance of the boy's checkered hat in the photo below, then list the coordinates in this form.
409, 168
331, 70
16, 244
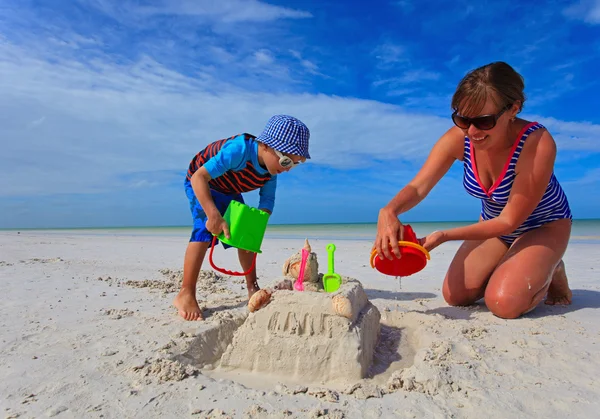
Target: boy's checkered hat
286, 134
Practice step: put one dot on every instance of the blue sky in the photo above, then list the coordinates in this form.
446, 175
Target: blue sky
104, 102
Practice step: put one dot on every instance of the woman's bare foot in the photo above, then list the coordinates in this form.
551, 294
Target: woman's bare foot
559, 292
187, 305
252, 288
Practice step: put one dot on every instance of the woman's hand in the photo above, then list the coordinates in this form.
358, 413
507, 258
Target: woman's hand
433, 240
389, 232
216, 225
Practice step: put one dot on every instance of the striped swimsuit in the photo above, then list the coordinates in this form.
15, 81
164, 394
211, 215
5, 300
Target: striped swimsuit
553, 205
230, 182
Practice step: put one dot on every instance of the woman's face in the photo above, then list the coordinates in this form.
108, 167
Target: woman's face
488, 127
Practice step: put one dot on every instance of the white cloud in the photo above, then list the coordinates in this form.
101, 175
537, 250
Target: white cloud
398, 75
37, 122
585, 10
309, 66
390, 54
401, 92
71, 124
590, 177
408, 77
413, 76
220, 54
231, 11
571, 136
105, 121
263, 57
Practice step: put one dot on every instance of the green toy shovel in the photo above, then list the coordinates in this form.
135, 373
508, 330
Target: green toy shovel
331, 280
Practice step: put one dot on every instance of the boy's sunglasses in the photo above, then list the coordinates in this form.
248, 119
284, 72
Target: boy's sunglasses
483, 122
285, 161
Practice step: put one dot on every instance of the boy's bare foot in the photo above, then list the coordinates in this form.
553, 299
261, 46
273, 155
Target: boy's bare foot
252, 288
559, 292
187, 305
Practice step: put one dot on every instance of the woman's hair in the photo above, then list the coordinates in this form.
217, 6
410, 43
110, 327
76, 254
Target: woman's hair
497, 81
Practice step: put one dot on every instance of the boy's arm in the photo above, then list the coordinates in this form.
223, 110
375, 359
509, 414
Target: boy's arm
215, 222
202, 190
267, 195
229, 157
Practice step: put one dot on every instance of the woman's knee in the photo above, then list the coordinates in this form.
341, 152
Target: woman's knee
470, 270
456, 294
506, 305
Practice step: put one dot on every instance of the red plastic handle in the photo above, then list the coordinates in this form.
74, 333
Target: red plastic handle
226, 271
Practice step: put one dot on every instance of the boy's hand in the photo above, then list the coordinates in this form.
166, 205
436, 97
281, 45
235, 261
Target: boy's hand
216, 225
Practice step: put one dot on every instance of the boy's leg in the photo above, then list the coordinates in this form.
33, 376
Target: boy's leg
246, 259
200, 240
186, 301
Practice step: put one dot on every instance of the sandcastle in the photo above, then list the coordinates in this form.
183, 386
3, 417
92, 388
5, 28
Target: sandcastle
309, 336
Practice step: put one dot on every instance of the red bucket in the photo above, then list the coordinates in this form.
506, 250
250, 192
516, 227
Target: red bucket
413, 257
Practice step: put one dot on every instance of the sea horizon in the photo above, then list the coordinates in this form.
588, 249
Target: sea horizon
575, 220
587, 229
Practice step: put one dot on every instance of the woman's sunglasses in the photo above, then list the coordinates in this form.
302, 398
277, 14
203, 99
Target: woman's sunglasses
285, 161
482, 122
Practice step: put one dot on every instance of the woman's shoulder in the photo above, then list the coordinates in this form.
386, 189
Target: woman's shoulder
537, 141
528, 125
453, 142
533, 132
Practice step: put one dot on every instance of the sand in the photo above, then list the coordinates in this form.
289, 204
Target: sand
87, 330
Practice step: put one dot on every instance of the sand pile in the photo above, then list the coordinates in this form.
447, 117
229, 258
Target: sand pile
308, 337
209, 282
163, 370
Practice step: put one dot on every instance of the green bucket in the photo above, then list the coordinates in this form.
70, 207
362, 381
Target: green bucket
247, 226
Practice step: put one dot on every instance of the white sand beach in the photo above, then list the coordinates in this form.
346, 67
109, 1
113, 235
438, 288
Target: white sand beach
87, 330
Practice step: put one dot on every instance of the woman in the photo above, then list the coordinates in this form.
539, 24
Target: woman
513, 256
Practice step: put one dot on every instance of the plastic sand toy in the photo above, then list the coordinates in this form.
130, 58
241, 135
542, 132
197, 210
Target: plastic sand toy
413, 258
247, 228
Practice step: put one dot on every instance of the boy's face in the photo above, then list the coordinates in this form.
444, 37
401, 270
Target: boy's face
278, 162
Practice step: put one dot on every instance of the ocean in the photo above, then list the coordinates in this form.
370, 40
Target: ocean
583, 230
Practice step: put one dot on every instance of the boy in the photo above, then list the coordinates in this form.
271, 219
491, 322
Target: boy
220, 173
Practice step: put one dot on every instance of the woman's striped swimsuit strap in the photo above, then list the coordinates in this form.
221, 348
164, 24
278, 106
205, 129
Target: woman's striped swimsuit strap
553, 205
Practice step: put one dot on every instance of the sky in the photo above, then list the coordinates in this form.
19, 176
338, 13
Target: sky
103, 103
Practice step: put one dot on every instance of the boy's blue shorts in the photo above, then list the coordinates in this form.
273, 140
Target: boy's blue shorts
200, 233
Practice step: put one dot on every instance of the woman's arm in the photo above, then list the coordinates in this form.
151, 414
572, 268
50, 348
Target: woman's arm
449, 148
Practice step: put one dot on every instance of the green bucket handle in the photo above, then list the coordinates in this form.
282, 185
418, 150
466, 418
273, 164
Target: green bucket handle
247, 227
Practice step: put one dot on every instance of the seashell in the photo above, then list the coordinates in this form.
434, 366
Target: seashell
291, 267
260, 299
285, 269
342, 306
307, 246
285, 284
